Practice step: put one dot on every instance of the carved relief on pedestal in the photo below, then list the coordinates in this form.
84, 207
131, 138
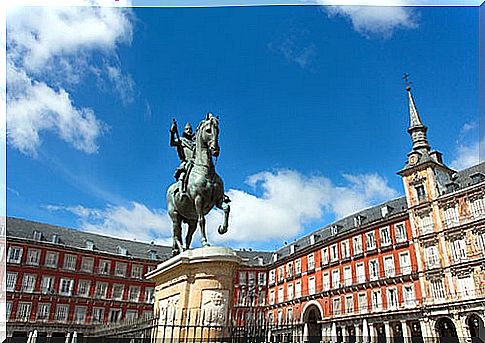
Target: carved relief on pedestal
214, 306
168, 309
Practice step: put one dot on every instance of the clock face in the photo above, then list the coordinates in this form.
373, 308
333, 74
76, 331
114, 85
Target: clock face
413, 159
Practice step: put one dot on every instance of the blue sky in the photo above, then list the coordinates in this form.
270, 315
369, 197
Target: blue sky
312, 105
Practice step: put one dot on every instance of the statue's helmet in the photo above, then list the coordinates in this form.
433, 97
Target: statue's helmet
188, 127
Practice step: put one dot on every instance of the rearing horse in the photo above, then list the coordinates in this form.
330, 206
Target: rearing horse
205, 189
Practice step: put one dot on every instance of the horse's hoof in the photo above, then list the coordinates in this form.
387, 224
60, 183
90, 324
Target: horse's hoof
222, 230
205, 244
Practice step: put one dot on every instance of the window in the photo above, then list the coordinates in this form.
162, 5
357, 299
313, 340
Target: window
385, 237
80, 314
152, 254
104, 267
297, 267
347, 276
289, 292
114, 315
83, 288
98, 315
100, 291
362, 302
251, 278
311, 262
272, 276
349, 304
437, 289
134, 293
425, 223
150, 268
11, 281
149, 295
280, 317
420, 192
136, 271
345, 248
37, 235
357, 241
28, 283
326, 281
61, 312
370, 240
281, 297
262, 278
281, 274
271, 297
14, 255
392, 301
333, 253
289, 270
131, 315
432, 258
311, 285
458, 249
466, 287
335, 278
8, 310
56, 239
69, 262
376, 300
118, 292
450, 215
66, 286
87, 264
408, 295
122, 251
289, 315
389, 266
23, 311
325, 256
33, 257
373, 270
477, 206
51, 259
336, 306
43, 311
47, 285
400, 231
120, 269
298, 289
405, 263
360, 272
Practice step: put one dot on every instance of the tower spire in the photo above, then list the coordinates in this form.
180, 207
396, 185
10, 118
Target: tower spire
416, 129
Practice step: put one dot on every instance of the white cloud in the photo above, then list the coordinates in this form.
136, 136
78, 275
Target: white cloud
468, 155
49, 49
376, 20
290, 199
133, 222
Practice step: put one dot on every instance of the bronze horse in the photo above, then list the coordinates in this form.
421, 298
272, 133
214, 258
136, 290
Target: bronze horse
205, 189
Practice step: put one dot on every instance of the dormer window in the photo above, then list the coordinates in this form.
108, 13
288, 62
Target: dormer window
89, 244
55, 239
37, 235
334, 229
292, 249
477, 177
358, 220
451, 187
260, 260
385, 210
152, 254
312, 239
122, 250
275, 257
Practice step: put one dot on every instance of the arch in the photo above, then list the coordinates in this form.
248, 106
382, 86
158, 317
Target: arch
475, 327
307, 305
312, 315
446, 330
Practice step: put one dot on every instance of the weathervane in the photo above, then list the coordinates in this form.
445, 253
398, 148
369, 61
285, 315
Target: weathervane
406, 81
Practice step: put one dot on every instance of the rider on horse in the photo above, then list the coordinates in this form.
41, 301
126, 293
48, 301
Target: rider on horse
185, 149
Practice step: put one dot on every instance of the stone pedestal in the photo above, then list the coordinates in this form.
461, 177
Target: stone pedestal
194, 293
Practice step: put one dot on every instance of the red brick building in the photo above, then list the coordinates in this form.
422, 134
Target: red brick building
67, 280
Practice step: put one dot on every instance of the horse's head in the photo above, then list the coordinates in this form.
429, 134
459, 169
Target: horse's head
208, 134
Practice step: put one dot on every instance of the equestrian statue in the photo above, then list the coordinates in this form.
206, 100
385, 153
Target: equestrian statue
198, 188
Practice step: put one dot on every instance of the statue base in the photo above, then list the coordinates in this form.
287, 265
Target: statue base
194, 294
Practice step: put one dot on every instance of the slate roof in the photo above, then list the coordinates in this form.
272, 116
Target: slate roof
24, 229
463, 179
